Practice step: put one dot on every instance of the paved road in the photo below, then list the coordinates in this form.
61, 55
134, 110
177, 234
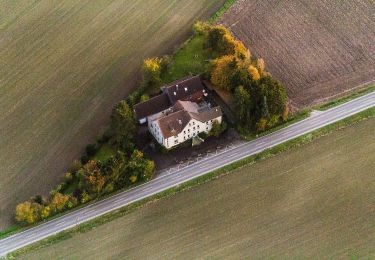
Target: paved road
192, 171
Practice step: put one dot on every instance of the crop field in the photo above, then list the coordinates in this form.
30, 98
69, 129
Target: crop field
317, 49
314, 201
63, 66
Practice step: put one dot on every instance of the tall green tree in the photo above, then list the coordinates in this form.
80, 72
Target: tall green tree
242, 105
123, 126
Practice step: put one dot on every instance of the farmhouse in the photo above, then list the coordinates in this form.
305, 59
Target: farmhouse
187, 89
178, 114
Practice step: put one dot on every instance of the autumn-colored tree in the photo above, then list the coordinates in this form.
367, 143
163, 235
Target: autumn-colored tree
241, 51
28, 212
151, 71
58, 202
253, 71
91, 178
201, 28
45, 212
223, 69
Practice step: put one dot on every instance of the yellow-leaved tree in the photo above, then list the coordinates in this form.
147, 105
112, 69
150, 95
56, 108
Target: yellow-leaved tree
28, 212
223, 68
253, 71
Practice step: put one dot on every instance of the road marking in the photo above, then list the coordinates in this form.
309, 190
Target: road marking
232, 155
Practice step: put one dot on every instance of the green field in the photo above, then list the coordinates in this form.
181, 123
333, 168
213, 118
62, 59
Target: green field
63, 65
314, 201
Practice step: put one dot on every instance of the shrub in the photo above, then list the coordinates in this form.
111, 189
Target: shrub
85, 197
28, 212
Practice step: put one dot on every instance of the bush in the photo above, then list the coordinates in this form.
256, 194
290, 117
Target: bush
28, 212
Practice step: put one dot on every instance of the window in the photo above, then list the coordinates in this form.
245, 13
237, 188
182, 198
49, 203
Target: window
194, 128
207, 128
184, 132
206, 123
175, 141
198, 126
193, 123
189, 130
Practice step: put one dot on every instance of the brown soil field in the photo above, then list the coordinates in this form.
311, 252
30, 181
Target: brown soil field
63, 66
317, 49
315, 201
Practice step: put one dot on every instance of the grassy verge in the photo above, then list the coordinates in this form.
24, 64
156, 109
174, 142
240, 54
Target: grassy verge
10, 231
344, 99
222, 10
292, 144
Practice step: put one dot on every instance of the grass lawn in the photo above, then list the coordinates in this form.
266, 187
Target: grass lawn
312, 201
191, 59
64, 64
104, 152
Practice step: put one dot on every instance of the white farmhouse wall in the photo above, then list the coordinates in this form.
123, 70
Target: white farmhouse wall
193, 128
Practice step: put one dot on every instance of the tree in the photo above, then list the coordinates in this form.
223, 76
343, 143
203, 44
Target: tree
28, 212
223, 70
91, 178
253, 71
217, 128
215, 39
151, 72
242, 101
123, 125
140, 167
275, 94
58, 202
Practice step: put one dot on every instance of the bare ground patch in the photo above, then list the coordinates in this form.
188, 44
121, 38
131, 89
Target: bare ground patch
317, 49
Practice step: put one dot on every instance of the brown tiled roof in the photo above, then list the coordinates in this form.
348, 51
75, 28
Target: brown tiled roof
152, 106
185, 89
174, 123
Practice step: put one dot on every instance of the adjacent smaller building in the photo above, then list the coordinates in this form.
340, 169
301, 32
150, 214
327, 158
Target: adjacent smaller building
178, 114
